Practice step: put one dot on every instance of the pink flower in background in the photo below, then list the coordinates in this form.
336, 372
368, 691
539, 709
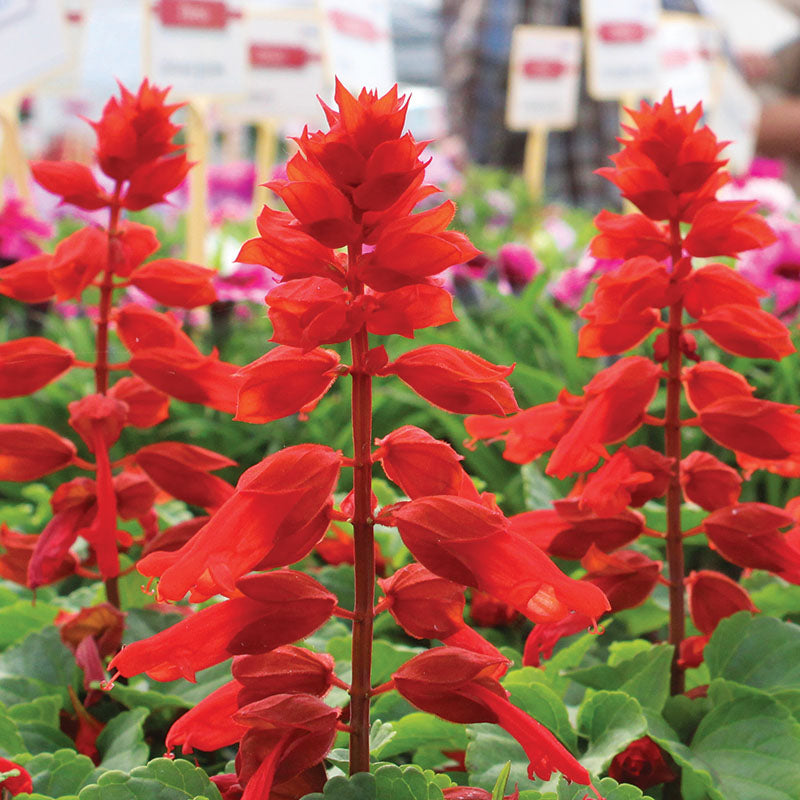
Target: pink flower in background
562, 233
776, 268
516, 266
763, 182
570, 285
19, 231
248, 282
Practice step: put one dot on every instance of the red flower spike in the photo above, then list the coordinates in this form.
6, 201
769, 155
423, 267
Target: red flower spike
642, 764
423, 604
421, 465
708, 381
146, 406
209, 725
289, 733
28, 280
713, 596
183, 470
15, 784
308, 312
72, 182
567, 531
284, 382
758, 428
469, 544
455, 380
28, 364
628, 236
705, 480
616, 401
285, 669
29, 452
289, 251
290, 487
190, 377
410, 308
726, 228
461, 687
176, 283
77, 261
278, 608
749, 536
134, 130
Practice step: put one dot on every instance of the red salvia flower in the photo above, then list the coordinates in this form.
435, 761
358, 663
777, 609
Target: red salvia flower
713, 596
19, 783
29, 364
705, 480
642, 764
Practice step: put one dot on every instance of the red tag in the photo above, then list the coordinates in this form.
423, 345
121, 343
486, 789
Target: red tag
622, 32
543, 69
355, 26
279, 56
193, 13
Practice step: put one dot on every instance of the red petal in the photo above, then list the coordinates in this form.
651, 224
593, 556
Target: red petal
26, 365
72, 181
172, 282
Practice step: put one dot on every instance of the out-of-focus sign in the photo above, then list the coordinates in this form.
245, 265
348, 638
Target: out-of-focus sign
32, 42
196, 46
544, 76
690, 52
359, 43
622, 47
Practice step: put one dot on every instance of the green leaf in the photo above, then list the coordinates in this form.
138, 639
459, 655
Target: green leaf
141, 623
61, 773
538, 489
419, 729
11, 743
545, 706
379, 734
751, 744
39, 737
139, 694
499, 788
44, 657
121, 743
386, 656
645, 676
407, 783
489, 748
16, 689
161, 779
610, 721
608, 788
359, 787
755, 651
567, 658
19, 619
42, 709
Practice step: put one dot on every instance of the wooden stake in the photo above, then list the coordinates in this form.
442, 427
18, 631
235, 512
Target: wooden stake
266, 155
197, 150
535, 161
12, 157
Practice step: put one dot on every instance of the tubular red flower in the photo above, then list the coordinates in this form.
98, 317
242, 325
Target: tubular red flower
72, 181
28, 364
461, 687
176, 283
746, 331
28, 280
705, 480
708, 381
28, 452
642, 764
16, 784
455, 380
715, 285
712, 597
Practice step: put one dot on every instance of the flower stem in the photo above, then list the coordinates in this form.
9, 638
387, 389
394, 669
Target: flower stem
672, 447
363, 537
101, 367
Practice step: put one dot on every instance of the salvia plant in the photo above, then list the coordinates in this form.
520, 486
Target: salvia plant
139, 164
356, 263
666, 290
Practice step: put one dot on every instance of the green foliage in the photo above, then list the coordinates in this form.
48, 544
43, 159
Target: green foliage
388, 782
61, 773
121, 743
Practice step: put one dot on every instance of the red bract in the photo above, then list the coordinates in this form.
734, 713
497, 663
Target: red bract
77, 261
455, 380
72, 181
176, 283
28, 280
27, 365
705, 480
642, 764
28, 452
713, 596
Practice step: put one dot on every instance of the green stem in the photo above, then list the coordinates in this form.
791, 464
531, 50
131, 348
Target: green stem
363, 536
672, 448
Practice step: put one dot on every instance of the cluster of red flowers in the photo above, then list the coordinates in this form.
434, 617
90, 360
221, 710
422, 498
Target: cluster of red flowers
670, 170
353, 186
137, 156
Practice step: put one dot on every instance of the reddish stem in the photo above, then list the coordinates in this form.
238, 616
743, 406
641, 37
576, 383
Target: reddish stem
364, 544
101, 367
672, 448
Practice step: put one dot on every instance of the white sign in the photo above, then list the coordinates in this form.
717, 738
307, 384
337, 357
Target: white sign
32, 42
197, 47
734, 117
543, 78
359, 43
284, 68
622, 47
690, 52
